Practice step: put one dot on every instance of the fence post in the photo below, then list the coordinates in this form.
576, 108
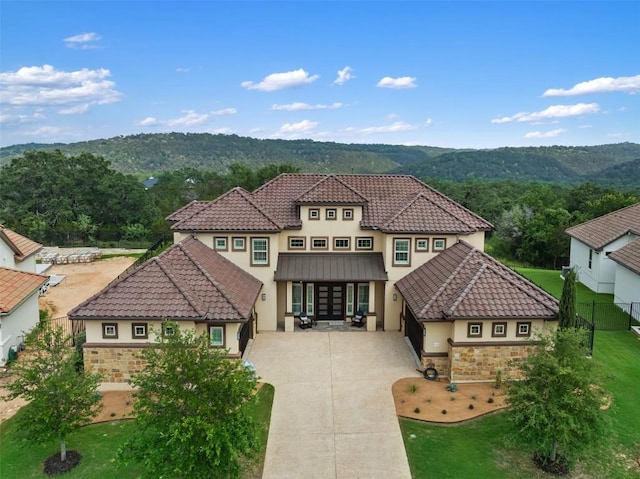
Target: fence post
630, 315
593, 311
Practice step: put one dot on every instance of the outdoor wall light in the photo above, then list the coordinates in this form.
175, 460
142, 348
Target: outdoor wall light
395, 297
264, 296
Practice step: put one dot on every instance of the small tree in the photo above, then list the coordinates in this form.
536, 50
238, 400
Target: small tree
62, 399
191, 419
567, 311
557, 406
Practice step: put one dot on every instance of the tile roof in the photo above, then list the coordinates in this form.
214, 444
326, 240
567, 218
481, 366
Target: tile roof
23, 247
233, 211
628, 256
188, 281
391, 203
601, 231
351, 267
16, 286
463, 282
187, 211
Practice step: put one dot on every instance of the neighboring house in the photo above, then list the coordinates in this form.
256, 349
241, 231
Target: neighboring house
593, 241
19, 309
188, 283
19, 289
627, 274
328, 246
467, 315
17, 252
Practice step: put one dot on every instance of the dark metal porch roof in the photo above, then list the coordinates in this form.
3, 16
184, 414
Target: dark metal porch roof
330, 267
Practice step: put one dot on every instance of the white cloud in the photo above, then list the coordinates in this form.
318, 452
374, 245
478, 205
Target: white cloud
400, 83
299, 106
225, 111
300, 127
280, 81
183, 70
545, 134
555, 111
429, 122
344, 76
83, 41
393, 128
149, 121
222, 131
12, 120
629, 85
75, 110
46, 86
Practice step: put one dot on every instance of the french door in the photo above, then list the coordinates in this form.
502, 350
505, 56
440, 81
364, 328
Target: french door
330, 301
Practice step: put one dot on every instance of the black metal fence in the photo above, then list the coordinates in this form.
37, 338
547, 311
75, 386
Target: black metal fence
589, 330
610, 316
71, 328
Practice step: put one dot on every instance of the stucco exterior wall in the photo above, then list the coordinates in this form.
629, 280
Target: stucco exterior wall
436, 335
460, 330
7, 256
14, 326
627, 287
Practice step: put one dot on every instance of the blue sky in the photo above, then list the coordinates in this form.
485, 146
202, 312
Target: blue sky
450, 74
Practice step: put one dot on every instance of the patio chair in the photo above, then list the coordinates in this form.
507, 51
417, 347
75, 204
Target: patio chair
305, 321
359, 319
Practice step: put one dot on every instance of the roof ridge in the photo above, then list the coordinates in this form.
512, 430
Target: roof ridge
448, 281
179, 283
482, 267
334, 177
212, 280
418, 196
249, 198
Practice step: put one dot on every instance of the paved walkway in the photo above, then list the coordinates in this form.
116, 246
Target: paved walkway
333, 413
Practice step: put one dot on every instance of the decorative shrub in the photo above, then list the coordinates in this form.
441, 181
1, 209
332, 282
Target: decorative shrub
490, 400
417, 410
413, 387
444, 411
453, 387
470, 406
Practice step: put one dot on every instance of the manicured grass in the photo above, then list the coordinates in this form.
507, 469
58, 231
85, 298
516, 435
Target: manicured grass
483, 448
98, 445
552, 283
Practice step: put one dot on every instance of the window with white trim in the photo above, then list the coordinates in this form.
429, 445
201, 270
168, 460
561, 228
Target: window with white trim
221, 243
139, 331
401, 248
259, 251
363, 297
216, 336
310, 299
364, 242
296, 242
439, 244
296, 298
474, 330
341, 243
422, 244
331, 213
498, 330
239, 244
350, 299
314, 213
110, 330
347, 214
523, 329
319, 243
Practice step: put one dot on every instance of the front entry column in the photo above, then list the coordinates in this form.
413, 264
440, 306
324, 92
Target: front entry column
372, 319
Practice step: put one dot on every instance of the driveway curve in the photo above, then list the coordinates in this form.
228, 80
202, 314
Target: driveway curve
333, 414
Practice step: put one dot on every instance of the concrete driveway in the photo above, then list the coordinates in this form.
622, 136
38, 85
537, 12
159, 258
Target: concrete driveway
333, 412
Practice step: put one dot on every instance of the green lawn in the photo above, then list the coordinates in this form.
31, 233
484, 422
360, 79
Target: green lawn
98, 445
483, 448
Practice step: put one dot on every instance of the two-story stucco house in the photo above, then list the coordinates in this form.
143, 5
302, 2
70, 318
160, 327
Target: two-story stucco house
325, 245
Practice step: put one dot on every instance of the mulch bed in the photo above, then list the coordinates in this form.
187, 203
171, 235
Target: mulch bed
53, 465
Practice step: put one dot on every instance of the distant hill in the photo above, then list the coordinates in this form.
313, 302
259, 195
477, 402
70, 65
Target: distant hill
615, 164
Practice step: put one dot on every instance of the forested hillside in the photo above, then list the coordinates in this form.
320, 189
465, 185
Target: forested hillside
150, 154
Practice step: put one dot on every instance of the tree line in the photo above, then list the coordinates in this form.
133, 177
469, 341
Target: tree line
64, 200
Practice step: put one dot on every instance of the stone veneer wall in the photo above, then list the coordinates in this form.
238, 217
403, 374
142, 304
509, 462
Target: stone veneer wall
117, 365
476, 363
440, 363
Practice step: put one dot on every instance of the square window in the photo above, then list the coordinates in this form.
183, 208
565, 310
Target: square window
216, 336
314, 213
168, 330
296, 242
110, 330
474, 330
332, 213
139, 331
401, 249
347, 214
319, 243
439, 244
364, 242
499, 330
422, 244
239, 244
341, 243
221, 244
523, 330
259, 252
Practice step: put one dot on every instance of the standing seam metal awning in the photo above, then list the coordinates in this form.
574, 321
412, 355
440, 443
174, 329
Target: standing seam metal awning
330, 267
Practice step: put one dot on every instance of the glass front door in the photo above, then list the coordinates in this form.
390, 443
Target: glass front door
330, 301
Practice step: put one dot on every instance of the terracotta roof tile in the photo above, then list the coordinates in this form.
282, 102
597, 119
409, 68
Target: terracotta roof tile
233, 211
187, 211
601, 231
23, 247
331, 190
628, 256
463, 282
16, 286
187, 281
